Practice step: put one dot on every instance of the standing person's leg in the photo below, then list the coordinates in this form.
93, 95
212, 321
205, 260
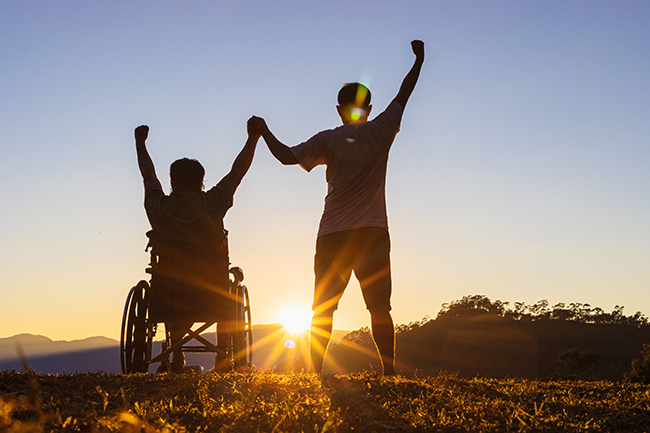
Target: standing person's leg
383, 332
331, 277
372, 269
320, 334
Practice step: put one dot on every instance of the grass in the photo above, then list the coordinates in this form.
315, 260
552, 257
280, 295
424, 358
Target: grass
252, 401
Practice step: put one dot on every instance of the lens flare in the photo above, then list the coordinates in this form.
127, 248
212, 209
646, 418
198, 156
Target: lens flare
357, 113
362, 92
290, 344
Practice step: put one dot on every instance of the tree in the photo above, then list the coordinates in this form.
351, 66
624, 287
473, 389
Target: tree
362, 337
641, 367
472, 305
576, 364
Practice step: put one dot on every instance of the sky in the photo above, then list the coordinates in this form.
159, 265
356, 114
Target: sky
520, 171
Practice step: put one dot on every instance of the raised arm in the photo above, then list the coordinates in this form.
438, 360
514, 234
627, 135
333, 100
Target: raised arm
281, 151
411, 78
244, 159
145, 163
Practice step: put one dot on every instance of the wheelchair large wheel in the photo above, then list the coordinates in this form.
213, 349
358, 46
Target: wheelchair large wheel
243, 336
133, 340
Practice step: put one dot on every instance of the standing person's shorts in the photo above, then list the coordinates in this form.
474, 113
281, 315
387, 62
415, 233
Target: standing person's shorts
366, 251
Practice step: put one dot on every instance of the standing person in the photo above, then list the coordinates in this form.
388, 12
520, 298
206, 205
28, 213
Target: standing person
353, 233
190, 215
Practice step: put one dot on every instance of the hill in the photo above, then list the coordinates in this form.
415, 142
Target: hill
48, 356
38, 345
475, 336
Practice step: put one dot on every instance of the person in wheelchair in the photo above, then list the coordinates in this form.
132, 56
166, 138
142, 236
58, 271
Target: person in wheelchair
191, 279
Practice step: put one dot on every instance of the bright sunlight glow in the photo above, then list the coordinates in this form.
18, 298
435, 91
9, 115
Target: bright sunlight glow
296, 319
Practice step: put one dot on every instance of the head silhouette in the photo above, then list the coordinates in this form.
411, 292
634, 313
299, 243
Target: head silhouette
354, 102
186, 175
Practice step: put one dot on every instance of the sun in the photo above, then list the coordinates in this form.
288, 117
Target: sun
296, 319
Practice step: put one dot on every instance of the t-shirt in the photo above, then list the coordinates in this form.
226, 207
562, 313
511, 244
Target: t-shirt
189, 216
356, 156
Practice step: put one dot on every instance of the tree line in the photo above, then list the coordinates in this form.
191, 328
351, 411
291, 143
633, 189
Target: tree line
575, 311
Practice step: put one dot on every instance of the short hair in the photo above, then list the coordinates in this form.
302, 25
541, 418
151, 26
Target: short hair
354, 93
186, 175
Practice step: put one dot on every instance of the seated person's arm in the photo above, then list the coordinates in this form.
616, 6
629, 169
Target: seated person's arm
281, 151
145, 163
411, 78
244, 159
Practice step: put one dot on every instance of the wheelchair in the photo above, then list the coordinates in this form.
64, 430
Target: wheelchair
182, 289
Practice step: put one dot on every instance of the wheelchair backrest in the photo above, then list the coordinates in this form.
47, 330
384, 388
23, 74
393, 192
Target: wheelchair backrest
188, 263
189, 280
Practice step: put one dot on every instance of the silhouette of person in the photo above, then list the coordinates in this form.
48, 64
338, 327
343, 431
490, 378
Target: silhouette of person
191, 215
353, 232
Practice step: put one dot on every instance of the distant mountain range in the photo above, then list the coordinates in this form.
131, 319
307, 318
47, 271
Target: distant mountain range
48, 356
36, 345
102, 354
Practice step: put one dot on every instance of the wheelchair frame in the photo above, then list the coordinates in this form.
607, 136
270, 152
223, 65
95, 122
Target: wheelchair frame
138, 332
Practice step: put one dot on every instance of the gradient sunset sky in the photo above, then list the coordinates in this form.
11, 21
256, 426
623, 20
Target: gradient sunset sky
521, 172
